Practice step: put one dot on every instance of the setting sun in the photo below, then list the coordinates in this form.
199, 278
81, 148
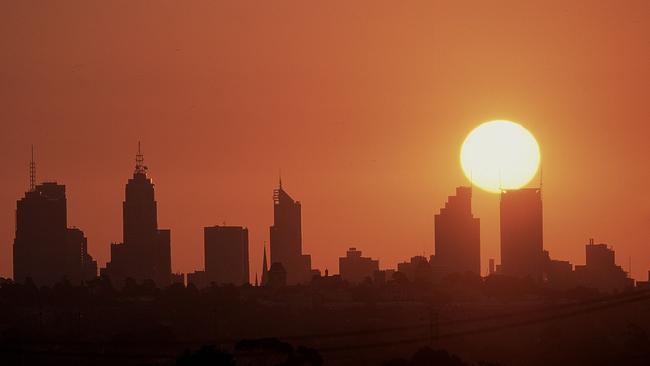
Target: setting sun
500, 155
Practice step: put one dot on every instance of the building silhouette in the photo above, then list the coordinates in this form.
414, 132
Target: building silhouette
457, 235
83, 266
226, 254
177, 279
45, 249
197, 279
522, 233
558, 274
145, 253
600, 271
417, 269
286, 238
277, 276
355, 269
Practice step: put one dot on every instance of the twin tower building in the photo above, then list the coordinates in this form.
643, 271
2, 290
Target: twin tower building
457, 235
47, 251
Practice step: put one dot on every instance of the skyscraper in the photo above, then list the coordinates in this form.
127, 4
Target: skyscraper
41, 235
145, 253
286, 238
44, 249
457, 235
522, 233
226, 254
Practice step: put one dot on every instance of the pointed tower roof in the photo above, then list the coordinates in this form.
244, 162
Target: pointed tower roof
265, 268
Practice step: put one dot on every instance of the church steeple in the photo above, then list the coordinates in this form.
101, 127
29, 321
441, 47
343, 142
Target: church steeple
265, 268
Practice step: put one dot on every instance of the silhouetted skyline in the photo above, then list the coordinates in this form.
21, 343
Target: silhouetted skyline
145, 253
409, 225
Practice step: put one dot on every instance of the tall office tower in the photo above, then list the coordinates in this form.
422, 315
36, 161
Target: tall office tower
457, 235
355, 269
226, 254
286, 238
522, 235
145, 253
44, 249
40, 244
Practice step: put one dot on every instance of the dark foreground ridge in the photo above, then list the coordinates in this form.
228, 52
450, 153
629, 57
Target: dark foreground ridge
463, 320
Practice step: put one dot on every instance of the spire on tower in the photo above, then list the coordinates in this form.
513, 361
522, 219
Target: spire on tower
280, 177
32, 172
140, 168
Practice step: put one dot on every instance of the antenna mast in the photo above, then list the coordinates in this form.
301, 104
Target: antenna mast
541, 176
32, 173
139, 162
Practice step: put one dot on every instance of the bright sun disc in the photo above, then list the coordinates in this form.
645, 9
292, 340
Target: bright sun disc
500, 155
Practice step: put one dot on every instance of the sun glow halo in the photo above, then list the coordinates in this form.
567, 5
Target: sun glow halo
500, 155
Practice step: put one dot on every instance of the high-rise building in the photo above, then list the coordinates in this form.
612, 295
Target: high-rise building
286, 238
522, 233
145, 253
41, 235
226, 254
355, 269
457, 235
44, 248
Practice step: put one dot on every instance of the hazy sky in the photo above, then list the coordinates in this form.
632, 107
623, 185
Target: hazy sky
363, 105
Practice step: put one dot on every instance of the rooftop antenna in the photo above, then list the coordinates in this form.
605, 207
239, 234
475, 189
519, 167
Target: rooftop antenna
630, 274
139, 161
32, 173
541, 176
500, 182
280, 177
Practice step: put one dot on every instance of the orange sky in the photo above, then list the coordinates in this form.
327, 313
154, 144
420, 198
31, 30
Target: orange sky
363, 105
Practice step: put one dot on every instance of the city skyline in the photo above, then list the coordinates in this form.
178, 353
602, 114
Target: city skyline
314, 183
226, 248
230, 94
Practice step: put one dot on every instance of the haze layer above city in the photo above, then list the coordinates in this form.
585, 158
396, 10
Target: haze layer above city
363, 109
